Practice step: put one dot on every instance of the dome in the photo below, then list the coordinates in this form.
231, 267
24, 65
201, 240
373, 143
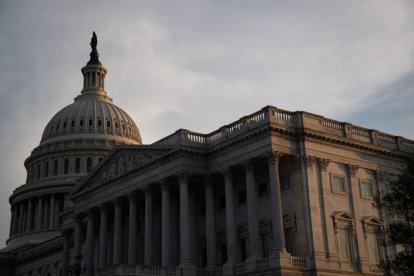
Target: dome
91, 116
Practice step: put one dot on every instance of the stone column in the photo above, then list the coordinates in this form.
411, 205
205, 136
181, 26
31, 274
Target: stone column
117, 232
230, 223
21, 217
327, 230
185, 248
78, 238
254, 234
16, 219
361, 253
165, 224
52, 212
65, 253
90, 243
133, 229
276, 202
29, 215
149, 227
12, 218
103, 236
210, 224
39, 213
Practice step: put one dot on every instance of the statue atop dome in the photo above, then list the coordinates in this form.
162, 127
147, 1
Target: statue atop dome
94, 54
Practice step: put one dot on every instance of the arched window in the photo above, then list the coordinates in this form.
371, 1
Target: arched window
108, 123
77, 165
89, 164
46, 172
90, 122
99, 123
55, 167
81, 122
72, 124
66, 166
39, 167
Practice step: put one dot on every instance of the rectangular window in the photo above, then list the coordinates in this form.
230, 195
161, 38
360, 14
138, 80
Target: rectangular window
262, 189
366, 189
290, 240
373, 248
66, 166
344, 244
241, 196
89, 165
222, 202
77, 165
338, 184
55, 167
285, 183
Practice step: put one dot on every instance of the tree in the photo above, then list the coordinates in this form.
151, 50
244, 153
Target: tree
398, 203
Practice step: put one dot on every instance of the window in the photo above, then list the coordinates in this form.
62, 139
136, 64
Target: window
99, 123
90, 122
338, 184
373, 248
66, 166
290, 240
262, 189
344, 225
46, 173
72, 124
344, 244
221, 203
241, 196
202, 208
366, 189
108, 123
55, 167
89, 165
81, 122
77, 165
116, 125
285, 183
64, 124
38, 171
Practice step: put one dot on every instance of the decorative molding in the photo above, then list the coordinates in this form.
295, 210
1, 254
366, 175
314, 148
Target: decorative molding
309, 160
323, 163
353, 169
248, 165
273, 157
379, 175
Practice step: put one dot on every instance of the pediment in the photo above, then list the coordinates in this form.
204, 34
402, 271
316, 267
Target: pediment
342, 215
120, 162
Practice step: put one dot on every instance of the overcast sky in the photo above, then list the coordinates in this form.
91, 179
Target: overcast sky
202, 64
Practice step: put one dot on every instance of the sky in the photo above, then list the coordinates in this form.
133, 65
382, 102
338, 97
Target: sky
203, 64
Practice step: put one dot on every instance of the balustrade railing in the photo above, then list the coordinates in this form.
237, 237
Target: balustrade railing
298, 262
359, 131
331, 124
239, 268
262, 263
385, 137
139, 270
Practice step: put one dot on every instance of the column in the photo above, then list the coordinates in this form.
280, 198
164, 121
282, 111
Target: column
12, 209
185, 248
254, 234
20, 230
276, 202
149, 227
210, 224
165, 225
15, 219
133, 229
90, 243
52, 212
39, 213
230, 218
29, 215
103, 237
361, 253
117, 232
78, 239
326, 219
65, 253
45, 215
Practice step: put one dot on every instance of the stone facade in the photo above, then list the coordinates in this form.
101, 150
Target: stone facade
274, 193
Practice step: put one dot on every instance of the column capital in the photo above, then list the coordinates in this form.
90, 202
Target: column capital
78, 217
183, 174
323, 163
248, 165
379, 175
132, 195
309, 160
226, 172
352, 169
103, 205
273, 156
148, 189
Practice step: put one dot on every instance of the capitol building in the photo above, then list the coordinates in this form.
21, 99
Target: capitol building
273, 193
